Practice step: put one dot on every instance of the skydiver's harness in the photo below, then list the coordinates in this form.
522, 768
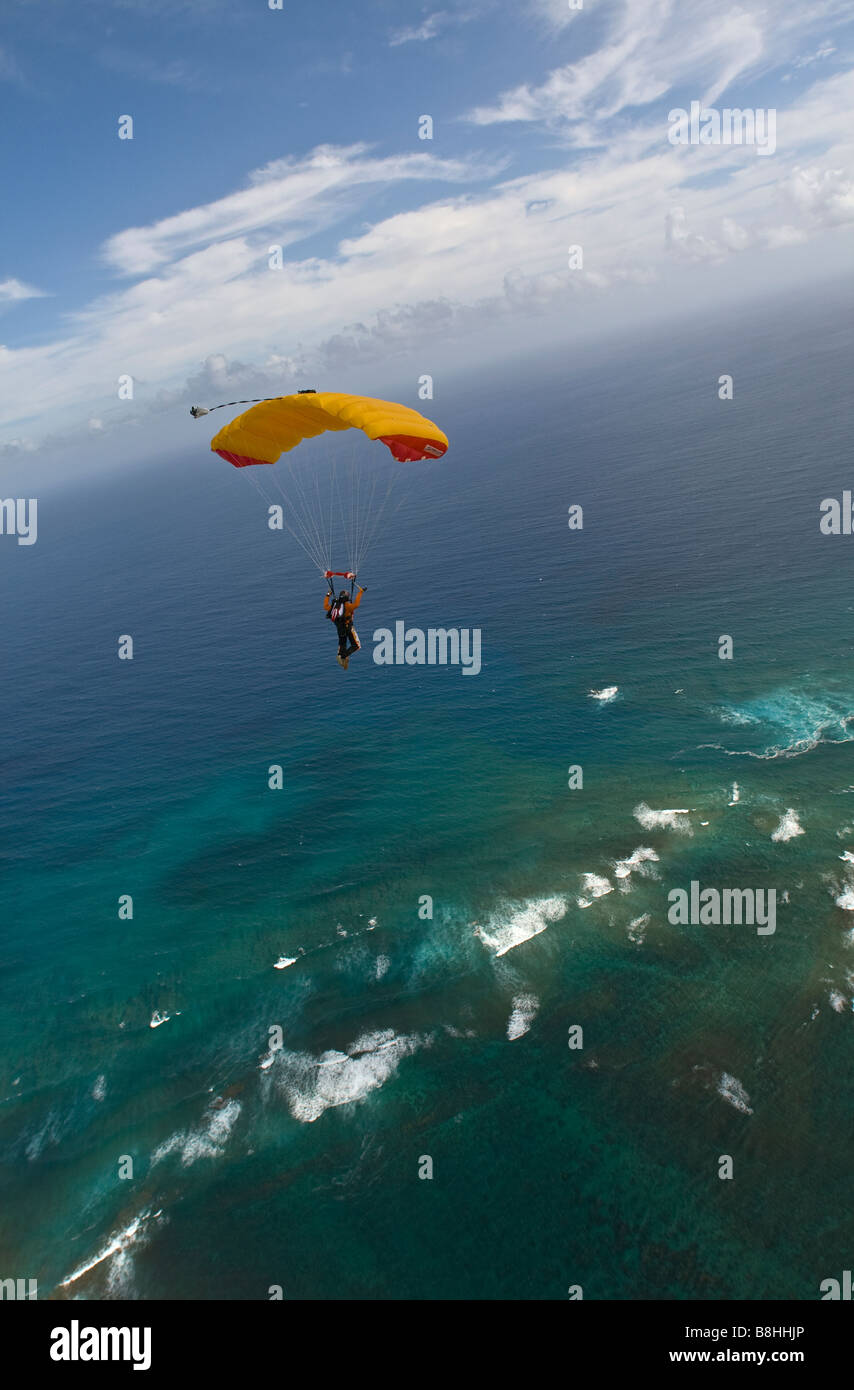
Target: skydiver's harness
336, 611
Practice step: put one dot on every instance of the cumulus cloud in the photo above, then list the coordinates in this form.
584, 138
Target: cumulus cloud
824, 196
692, 246
687, 245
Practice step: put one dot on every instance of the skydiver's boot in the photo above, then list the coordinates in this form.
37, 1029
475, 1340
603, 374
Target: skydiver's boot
339, 658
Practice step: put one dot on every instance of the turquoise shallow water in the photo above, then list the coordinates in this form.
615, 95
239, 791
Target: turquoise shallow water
550, 1166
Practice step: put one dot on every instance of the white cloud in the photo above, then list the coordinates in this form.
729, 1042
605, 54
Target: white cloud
690, 245
556, 14
696, 246
653, 47
824, 196
485, 257
12, 290
433, 26
292, 197
430, 27
826, 50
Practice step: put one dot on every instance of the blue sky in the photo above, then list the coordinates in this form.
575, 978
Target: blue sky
299, 127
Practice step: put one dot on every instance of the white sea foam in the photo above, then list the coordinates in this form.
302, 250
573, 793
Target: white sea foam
206, 1141
637, 928
837, 1001
314, 1084
727, 715
671, 819
524, 1011
736, 795
51, 1132
117, 1245
524, 922
789, 827
284, 961
120, 1275
606, 694
732, 1091
846, 900
383, 964
99, 1090
158, 1018
847, 857
799, 721
638, 862
596, 886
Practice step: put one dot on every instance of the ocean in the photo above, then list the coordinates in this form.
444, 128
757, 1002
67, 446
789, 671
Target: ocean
331, 1052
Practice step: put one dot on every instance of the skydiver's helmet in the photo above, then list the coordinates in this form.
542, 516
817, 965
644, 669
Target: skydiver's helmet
343, 597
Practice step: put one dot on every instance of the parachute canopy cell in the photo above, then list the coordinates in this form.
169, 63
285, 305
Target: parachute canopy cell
271, 428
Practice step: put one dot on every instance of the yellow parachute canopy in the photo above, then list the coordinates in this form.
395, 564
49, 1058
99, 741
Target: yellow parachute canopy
271, 428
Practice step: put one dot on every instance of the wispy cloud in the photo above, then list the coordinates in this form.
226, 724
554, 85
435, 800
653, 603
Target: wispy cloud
486, 255
13, 290
433, 26
826, 50
651, 49
654, 48
420, 33
292, 197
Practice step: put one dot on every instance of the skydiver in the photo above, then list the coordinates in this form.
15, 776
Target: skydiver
340, 610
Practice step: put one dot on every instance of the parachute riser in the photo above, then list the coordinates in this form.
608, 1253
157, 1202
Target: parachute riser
329, 575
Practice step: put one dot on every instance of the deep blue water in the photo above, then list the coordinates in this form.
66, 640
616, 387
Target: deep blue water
551, 1166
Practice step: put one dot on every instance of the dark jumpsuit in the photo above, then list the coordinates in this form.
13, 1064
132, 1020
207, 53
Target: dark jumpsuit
344, 626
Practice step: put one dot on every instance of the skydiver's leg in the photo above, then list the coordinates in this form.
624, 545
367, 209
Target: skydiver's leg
355, 644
